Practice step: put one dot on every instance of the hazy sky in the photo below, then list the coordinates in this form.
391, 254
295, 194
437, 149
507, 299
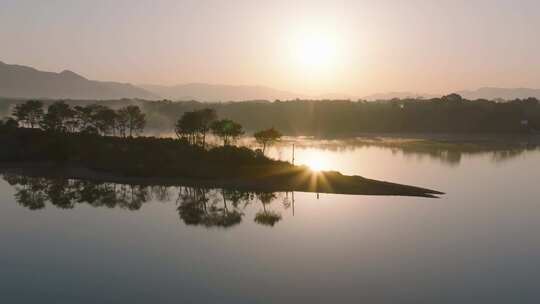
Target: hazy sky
354, 47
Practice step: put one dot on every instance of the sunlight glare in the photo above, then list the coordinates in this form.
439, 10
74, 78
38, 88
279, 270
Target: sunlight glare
316, 162
316, 49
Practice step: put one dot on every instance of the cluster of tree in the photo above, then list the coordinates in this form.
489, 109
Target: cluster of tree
196, 206
225, 207
342, 118
194, 125
90, 119
137, 156
35, 192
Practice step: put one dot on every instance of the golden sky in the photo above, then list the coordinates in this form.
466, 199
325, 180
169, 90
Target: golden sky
350, 47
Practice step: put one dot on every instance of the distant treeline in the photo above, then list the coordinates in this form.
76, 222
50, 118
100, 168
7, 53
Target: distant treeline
338, 118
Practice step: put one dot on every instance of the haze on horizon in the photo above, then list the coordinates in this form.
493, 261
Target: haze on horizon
311, 47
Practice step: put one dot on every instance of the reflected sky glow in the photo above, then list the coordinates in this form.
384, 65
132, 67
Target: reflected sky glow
177, 244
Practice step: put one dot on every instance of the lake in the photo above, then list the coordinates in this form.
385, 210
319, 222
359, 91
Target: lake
68, 241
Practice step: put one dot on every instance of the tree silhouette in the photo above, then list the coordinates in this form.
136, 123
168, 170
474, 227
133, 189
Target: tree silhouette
60, 117
197, 206
208, 116
106, 121
267, 137
8, 124
227, 130
202, 207
85, 117
266, 217
29, 192
194, 125
131, 120
29, 113
187, 126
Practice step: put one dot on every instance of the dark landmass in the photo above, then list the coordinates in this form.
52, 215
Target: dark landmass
147, 160
341, 119
19, 81
331, 119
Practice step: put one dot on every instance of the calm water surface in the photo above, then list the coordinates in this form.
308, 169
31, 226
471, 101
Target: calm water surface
75, 242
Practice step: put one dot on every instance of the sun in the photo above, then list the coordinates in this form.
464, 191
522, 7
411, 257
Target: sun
316, 50
316, 162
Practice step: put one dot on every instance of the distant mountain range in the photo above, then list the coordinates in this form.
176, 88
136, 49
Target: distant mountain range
213, 93
482, 93
17, 81
502, 93
400, 95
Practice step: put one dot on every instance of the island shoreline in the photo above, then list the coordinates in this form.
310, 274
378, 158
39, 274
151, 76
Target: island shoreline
52, 170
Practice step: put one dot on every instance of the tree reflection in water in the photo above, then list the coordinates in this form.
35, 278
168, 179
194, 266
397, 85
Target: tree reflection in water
196, 206
267, 217
199, 206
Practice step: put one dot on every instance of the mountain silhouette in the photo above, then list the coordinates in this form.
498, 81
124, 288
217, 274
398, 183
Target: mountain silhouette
214, 92
399, 95
503, 93
17, 81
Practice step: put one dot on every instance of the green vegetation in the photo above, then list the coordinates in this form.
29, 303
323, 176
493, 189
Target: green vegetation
227, 130
267, 137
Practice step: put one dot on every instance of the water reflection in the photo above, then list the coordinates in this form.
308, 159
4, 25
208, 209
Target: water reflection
267, 217
449, 151
196, 206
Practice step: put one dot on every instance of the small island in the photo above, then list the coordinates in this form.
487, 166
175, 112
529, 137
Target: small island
95, 142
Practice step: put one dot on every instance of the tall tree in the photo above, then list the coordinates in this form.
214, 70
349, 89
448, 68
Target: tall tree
29, 113
208, 116
267, 137
106, 121
132, 119
227, 130
60, 117
187, 126
194, 125
84, 116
